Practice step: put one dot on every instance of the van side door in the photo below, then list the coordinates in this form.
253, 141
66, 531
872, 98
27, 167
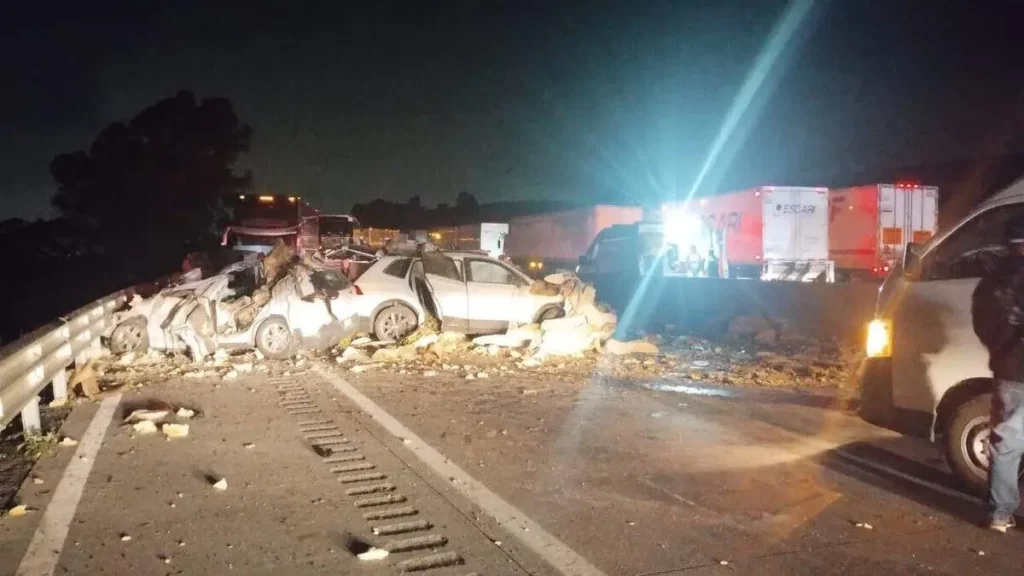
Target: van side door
934, 345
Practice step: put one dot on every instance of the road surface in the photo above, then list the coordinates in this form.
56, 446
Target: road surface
506, 475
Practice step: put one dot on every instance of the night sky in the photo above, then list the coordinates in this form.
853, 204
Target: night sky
351, 101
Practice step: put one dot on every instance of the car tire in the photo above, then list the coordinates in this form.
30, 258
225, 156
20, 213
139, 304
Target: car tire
394, 322
129, 336
274, 339
966, 442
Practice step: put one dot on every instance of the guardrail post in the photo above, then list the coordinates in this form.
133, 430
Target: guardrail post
60, 385
30, 421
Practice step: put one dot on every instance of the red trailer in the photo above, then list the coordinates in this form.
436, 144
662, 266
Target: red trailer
771, 232
869, 226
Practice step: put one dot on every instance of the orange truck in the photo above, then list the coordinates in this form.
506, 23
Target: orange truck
542, 243
869, 226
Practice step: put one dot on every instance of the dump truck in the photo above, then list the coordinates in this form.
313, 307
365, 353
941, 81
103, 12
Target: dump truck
870, 226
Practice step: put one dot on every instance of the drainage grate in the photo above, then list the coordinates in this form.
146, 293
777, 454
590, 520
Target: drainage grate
370, 489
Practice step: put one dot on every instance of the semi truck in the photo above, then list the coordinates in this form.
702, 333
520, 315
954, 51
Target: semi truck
870, 226
544, 242
770, 232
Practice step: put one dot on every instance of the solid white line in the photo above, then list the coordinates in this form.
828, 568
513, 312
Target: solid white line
529, 532
48, 541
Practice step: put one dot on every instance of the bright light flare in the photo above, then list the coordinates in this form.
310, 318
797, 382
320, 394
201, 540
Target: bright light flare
879, 341
266, 199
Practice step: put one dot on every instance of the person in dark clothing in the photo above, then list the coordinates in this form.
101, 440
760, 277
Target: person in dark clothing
711, 265
997, 311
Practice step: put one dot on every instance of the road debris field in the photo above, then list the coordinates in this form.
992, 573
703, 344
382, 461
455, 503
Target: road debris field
572, 445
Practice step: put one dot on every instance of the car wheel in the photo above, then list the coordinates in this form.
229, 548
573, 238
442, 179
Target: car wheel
966, 442
129, 336
274, 339
394, 322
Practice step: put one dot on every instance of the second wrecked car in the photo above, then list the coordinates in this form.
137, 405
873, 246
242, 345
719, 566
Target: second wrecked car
276, 305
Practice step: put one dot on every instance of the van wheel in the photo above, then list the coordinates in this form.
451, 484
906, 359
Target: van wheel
966, 442
274, 339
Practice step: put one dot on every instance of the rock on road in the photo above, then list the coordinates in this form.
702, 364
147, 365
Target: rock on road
633, 480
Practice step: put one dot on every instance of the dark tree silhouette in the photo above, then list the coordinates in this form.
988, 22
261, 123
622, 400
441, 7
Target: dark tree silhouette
148, 191
467, 209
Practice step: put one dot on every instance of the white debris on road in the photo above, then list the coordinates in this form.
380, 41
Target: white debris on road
175, 430
221, 484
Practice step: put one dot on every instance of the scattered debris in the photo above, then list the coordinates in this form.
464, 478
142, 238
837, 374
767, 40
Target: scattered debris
144, 415
145, 427
37, 480
125, 537
18, 511
231, 375
864, 525
221, 484
175, 430
185, 413
373, 553
68, 442
248, 445
86, 379
618, 348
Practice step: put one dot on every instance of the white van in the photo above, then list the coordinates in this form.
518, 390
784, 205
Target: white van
927, 373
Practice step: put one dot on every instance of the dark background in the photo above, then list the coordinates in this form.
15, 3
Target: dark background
601, 101
491, 108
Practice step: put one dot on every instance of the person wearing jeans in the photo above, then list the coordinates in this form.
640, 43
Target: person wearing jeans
997, 313
1006, 447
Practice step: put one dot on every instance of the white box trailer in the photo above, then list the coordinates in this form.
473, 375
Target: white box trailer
770, 232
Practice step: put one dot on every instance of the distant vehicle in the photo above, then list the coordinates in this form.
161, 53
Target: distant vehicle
542, 243
926, 372
632, 249
336, 230
257, 222
468, 292
772, 232
305, 307
869, 226
488, 237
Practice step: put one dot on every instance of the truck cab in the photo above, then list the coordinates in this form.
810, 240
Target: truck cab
926, 373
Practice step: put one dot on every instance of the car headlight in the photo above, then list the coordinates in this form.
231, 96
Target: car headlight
879, 343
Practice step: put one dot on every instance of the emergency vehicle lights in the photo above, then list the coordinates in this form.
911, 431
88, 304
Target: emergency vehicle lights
879, 341
682, 228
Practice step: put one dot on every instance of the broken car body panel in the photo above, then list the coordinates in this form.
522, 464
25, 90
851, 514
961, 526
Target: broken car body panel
228, 310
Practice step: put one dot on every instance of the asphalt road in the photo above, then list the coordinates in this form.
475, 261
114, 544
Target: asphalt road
507, 475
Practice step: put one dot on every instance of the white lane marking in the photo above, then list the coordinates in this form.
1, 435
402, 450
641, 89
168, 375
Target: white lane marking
909, 478
48, 541
519, 525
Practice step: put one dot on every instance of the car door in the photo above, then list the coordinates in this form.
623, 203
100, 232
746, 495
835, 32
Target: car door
934, 345
448, 289
491, 288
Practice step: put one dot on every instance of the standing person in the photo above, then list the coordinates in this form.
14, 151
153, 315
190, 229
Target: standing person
711, 265
997, 311
694, 262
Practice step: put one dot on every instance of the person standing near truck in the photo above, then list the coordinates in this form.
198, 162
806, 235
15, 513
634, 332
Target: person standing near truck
997, 313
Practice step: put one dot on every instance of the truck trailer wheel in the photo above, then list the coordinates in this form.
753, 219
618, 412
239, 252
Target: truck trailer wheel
966, 442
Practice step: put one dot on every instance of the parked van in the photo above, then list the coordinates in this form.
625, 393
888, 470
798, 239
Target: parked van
927, 373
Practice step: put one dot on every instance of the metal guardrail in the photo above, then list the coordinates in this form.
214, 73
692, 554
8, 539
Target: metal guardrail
40, 359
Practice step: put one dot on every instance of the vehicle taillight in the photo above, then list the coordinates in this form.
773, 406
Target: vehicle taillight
357, 290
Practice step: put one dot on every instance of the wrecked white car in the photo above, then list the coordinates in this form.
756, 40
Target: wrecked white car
467, 291
300, 307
